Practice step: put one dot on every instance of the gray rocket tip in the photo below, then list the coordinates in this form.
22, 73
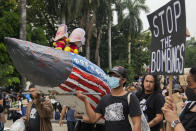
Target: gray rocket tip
41, 65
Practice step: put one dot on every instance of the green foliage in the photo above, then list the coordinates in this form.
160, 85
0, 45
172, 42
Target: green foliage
7, 5
28, 34
38, 15
8, 75
9, 19
190, 56
36, 35
9, 25
141, 52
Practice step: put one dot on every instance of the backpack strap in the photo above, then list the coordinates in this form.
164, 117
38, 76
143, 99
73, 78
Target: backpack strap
144, 123
187, 108
128, 97
193, 103
129, 118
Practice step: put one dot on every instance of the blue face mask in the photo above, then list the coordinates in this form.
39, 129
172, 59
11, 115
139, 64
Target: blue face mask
113, 82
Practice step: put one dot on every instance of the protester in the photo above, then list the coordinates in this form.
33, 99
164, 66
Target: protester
1, 98
114, 107
187, 118
70, 116
24, 105
151, 101
15, 107
39, 112
8, 102
56, 105
139, 82
2, 116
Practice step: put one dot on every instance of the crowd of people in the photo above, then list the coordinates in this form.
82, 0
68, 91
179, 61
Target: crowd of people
34, 110
148, 98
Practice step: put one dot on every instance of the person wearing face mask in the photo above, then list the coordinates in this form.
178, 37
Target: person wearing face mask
114, 107
187, 119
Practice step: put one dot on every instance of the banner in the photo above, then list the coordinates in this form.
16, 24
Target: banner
168, 30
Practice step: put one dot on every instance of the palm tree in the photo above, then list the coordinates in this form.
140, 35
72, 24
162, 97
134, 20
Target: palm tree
109, 17
105, 7
110, 44
132, 23
88, 21
100, 22
119, 6
98, 42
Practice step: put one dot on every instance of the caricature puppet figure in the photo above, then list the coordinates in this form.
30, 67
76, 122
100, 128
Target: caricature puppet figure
61, 38
76, 40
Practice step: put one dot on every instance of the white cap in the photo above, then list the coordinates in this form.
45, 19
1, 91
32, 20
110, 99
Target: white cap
77, 35
61, 32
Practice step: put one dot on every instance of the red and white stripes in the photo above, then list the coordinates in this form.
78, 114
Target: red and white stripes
83, 81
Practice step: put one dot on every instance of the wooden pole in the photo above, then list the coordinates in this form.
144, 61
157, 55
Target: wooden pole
168, 125
170, 85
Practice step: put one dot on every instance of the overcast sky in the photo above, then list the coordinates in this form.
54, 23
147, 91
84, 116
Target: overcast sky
190, 6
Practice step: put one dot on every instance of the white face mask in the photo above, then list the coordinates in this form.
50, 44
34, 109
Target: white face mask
113, 82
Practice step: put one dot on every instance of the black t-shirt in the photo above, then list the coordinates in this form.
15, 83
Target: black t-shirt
115, 110
34, 120
1, 108
1, 96
188, 118
151, 105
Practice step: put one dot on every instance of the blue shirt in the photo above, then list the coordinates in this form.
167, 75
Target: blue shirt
70, 115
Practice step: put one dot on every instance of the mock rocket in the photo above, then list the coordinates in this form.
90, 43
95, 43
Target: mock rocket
47, 66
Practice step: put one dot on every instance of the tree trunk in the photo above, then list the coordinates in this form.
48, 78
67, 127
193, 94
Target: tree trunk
23, 19
63, 17
109, 45
98, 42
129, 50
87, 36
90, 24
88, 48
23, 32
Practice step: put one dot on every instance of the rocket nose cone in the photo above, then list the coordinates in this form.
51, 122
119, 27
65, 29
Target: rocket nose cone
10, 43
41, 65
8, 40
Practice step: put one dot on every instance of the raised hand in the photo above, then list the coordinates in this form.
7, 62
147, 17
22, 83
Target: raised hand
169, 110
81, 96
